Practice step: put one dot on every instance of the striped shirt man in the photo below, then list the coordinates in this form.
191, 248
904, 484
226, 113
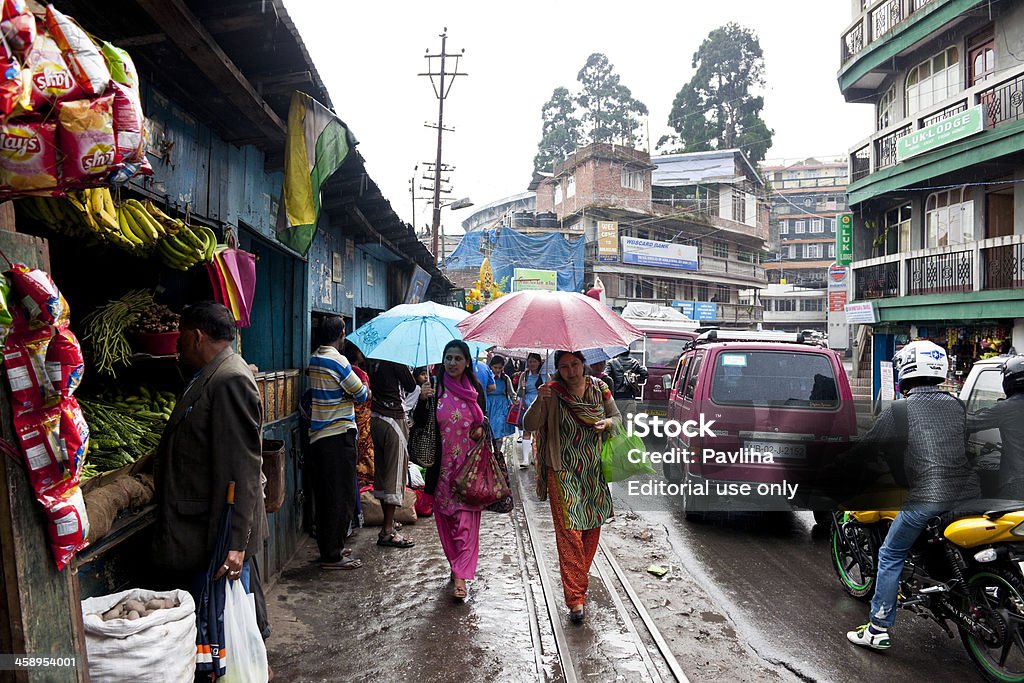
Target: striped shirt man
335, 390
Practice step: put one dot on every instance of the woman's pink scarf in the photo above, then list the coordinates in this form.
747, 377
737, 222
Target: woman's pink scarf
461, 388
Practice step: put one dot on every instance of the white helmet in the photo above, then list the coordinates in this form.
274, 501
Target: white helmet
921, 359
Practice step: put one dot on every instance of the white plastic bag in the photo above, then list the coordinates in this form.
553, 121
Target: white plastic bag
416, 476
160, 647
246, 658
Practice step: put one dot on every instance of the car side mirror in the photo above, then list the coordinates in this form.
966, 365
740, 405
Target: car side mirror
666, 382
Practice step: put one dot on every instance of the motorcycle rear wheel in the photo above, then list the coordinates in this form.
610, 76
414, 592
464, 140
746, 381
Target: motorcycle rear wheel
1000, 595
858, 582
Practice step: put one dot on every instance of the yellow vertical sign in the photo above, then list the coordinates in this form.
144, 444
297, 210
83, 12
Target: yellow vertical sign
607, 241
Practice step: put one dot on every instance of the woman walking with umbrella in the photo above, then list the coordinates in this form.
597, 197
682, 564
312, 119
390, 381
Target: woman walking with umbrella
571, 414
461, 406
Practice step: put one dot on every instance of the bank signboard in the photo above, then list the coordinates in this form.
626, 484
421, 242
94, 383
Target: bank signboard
940, 133
697, 310
652, 253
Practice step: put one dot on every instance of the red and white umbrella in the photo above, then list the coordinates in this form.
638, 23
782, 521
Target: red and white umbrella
548, 320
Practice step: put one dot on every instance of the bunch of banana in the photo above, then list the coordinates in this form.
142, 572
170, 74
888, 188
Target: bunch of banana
190, 246
59, 215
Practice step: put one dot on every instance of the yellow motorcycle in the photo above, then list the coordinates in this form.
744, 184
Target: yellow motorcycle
966, 568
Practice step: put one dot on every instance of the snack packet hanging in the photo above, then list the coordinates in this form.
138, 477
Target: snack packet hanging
39, 295
68, 529
25, 361
74, 436
18, 25
39, 436
15, 88
86, 136
128, 123
80, 53
28, 158
51, 79
64, 363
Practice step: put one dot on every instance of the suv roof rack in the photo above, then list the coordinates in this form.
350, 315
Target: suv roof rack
712, 336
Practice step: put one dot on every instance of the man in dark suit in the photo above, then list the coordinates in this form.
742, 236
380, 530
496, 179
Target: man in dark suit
213, 437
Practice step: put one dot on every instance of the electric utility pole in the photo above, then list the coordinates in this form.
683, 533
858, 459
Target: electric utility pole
441, 89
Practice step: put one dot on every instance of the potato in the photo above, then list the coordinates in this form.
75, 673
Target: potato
133, 615
134, 605
155, 603
112, 613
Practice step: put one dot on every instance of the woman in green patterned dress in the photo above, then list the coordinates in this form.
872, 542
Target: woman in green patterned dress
571, 415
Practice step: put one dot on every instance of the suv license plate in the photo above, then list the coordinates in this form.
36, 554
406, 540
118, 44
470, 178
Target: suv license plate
777, 449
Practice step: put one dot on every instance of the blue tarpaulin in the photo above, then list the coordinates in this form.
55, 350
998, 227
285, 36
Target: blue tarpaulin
508, 249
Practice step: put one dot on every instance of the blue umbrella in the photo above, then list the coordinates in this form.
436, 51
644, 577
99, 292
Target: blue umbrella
416, 340
425, 308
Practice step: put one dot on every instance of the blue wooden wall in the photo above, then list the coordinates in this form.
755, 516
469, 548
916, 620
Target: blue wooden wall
197, 171
359, 267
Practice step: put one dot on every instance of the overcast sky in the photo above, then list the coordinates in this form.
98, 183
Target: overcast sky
516, 53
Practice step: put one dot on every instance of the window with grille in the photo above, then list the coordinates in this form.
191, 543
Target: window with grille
817, 225
812, 305
570, 186
812, 251
799, 227
783, 227
720, 250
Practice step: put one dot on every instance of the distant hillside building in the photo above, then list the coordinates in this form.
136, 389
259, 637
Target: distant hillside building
806, 198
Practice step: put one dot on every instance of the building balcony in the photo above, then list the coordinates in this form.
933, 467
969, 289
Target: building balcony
1001, 105
885, 30
985, 265
734, 315
717, 213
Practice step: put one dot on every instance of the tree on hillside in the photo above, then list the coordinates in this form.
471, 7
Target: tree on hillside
603, 111
562, 132
716, 109
609, 108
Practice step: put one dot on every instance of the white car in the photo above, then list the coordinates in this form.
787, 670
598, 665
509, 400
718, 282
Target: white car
982, 388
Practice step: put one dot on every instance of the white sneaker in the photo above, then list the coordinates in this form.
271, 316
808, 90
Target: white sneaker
865, 638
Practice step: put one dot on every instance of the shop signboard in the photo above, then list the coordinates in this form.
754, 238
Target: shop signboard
457, 298
844, 239
860, 314
608, 241
417, 286
665, 254
958, 127
885, 375
528, 278
837, 288
697, 310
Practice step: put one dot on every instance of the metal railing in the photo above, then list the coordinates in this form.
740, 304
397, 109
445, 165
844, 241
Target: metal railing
1003, 102
878, 281
876, 21
942, 273
860, 164
885, 147
1003, 266
951, 110
886, 17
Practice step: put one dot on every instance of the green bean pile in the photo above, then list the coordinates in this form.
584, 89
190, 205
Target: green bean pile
105, 330
117, 437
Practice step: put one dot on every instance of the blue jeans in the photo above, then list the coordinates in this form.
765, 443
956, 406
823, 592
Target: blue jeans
904, 531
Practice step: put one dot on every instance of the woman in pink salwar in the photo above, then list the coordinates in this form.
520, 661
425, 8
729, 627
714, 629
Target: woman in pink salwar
461, 406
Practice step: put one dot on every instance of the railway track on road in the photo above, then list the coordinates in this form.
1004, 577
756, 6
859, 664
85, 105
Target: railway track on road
653, 659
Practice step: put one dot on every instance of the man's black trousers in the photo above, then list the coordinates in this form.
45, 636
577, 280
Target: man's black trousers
335, 487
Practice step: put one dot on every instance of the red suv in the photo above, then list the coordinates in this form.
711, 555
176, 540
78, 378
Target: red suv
780, 405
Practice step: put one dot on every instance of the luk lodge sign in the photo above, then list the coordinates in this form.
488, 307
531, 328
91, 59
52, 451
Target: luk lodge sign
940, 133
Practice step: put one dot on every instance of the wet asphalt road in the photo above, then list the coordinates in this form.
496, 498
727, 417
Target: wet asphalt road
772, 576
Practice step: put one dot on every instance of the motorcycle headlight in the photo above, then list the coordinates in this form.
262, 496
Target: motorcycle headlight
1018, 530
986, 555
